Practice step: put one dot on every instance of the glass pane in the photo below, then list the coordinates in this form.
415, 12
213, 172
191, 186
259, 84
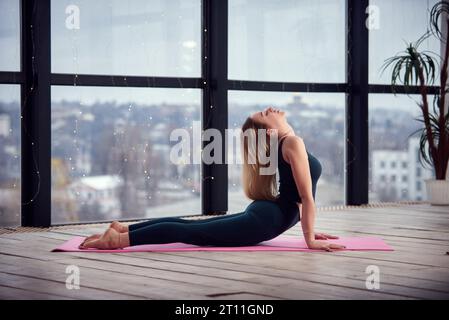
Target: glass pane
289, 41
9, 35
316, 117
395, 171
390, 32
10, 150
111, 153
134, 37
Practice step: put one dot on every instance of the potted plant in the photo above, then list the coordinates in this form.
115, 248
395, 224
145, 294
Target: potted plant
413, 67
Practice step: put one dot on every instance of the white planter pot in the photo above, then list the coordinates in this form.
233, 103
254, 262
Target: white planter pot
438, 192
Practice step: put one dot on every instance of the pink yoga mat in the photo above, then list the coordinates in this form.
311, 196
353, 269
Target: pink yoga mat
280, 243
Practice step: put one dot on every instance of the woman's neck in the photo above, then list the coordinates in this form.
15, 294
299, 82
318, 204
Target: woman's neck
287, 131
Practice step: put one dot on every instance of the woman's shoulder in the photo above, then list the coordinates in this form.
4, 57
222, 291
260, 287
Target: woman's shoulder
293, 141
292, 144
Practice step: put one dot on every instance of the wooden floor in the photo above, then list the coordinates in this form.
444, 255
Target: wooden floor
417, 269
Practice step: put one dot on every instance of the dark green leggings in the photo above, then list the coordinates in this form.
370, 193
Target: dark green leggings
262, 220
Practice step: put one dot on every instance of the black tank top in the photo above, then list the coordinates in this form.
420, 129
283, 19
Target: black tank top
288, 192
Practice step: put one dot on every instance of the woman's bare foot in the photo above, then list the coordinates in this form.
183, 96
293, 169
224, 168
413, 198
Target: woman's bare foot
119, 227
92, 237
111, 239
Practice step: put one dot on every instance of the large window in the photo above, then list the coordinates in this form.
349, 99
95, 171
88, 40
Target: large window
319, 118
395, 170
138, 37
280, 40
396, 24
111, 146
111, 153
10, 133
124, 74
9, 35
10, 181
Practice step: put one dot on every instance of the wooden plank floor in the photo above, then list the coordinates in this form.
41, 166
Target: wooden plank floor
417, 269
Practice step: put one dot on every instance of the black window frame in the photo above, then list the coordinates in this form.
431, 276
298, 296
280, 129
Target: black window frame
35, 78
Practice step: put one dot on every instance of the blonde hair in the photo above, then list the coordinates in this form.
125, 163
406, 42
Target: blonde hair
255, 185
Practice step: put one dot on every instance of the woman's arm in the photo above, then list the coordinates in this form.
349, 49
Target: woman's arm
296, 155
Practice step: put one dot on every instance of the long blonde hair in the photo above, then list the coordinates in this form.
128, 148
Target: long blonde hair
255, 185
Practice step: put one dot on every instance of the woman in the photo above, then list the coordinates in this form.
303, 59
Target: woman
269, 215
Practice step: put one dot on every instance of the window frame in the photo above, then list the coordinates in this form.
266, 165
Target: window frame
36, 79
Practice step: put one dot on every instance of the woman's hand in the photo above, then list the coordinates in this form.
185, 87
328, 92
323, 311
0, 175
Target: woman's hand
324, 236
322, 245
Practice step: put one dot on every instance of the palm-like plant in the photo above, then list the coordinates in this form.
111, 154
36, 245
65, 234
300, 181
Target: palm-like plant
414, 68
